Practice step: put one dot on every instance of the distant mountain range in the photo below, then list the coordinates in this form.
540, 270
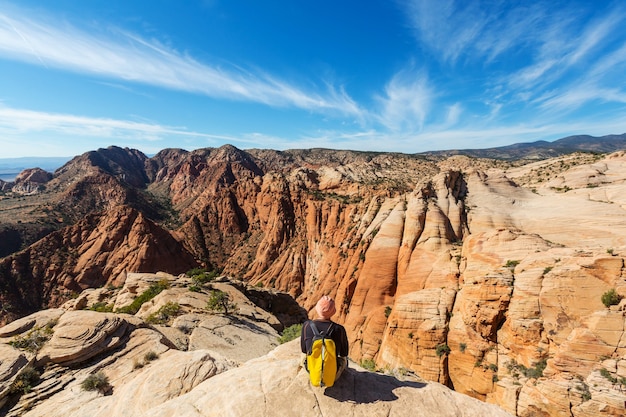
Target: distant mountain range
543, 149
10, 167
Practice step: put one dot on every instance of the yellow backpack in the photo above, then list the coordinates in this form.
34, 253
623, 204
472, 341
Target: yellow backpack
322, 359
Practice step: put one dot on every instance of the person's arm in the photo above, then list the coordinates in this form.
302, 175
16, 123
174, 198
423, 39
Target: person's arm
343, 345
303, 334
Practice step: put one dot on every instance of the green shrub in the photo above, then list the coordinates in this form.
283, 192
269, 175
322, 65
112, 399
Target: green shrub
462, 347
583, 388
387, 311
26, 380
605, 373
442, 349
536, 371
96, 382
102, 307
34, 339
368, 364
290, 333
511, 264
195, 271
220, 301
151, 356
164, 314
611, 298
154, 290
200, 276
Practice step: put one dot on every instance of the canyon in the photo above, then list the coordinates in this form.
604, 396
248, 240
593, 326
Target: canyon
487, 276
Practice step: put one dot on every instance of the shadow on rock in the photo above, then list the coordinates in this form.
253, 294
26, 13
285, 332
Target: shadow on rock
363, 387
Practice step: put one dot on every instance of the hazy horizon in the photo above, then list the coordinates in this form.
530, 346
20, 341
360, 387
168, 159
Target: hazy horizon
11, 167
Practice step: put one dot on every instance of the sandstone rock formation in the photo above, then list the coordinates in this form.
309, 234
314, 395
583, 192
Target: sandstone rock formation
481, 275
31, 180
95, 252
144, 371
276, 384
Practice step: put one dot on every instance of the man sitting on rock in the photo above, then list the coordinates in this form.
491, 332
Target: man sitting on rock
325, 309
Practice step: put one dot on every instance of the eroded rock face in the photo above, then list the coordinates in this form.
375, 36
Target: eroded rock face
144, 364
80, 335
143, 373
484, 277
97, 251
13, 361
31, 181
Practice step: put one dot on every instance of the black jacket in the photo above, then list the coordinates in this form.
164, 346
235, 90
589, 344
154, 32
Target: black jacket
338, 335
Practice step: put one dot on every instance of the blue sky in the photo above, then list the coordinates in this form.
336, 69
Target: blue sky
404, 76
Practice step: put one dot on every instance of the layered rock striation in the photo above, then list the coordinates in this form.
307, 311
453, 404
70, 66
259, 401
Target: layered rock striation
483, 276
104, 363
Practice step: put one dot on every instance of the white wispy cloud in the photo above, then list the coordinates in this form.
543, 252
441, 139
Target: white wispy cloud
594, 34
453, 114
557, 59
406, 102
579, 95
15, 122
478, 31
445, 26
562, 50
118, 54
613, 62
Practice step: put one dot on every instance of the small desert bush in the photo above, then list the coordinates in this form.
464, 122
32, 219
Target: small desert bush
606, 374
164, 314
26, 380
220, 301
511, 264
200, 276
611, 298
442, 349
290, 333
34, 339
535, 371
151, 356
95, 382
102, 307
583, 389
368, 364
154, 290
